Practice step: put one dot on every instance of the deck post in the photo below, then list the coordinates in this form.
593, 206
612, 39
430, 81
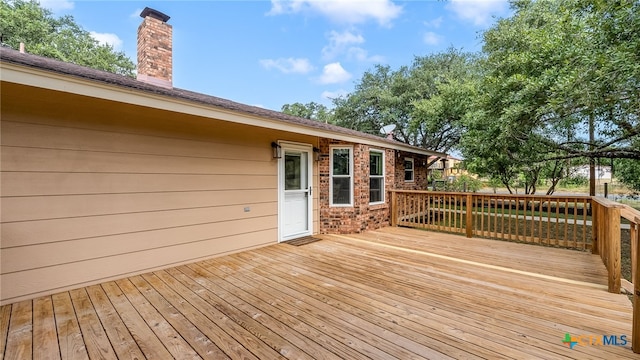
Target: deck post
595, 216
394, 208
633, 239
635, 332
469, 216
613, 249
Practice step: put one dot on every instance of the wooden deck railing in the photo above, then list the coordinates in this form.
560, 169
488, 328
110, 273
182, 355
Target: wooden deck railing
557, 221
575, 222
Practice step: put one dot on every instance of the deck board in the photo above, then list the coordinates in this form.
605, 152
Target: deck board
391, 293
44, 330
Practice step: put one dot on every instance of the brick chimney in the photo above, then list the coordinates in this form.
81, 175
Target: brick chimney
155, 64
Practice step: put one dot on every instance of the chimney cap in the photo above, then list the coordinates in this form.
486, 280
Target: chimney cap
154, 14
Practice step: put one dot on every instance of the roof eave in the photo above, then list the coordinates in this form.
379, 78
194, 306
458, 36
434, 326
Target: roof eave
52, 80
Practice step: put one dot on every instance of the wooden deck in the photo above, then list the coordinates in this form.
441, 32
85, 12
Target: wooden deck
392, 293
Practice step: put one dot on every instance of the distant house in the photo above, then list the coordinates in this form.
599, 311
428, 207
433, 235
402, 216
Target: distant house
603, 173
449, 165
104, 176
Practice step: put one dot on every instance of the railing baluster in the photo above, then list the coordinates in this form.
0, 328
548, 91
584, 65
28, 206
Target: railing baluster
510, 216
516, 218
566, 223
584, 224
524, 216
502, 218
493, 213
576, 219
489, 216
455, 213
533, 217
635, 255
540, 237
549, 222
482, 215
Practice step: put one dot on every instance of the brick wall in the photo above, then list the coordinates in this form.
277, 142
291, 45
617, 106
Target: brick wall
420, 172
361, 216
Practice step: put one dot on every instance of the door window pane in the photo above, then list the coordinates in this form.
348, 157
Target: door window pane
295, 171
292, 170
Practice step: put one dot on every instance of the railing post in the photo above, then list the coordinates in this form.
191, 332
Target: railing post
635, 332
394, 208
469, 216
595, 218
633, 239
613, 249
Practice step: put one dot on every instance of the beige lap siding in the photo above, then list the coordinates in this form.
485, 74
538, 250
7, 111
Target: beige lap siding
95, 190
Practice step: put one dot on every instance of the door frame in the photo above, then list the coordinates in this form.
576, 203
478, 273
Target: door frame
308, 148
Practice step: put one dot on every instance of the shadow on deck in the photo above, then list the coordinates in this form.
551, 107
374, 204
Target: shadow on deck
391, 293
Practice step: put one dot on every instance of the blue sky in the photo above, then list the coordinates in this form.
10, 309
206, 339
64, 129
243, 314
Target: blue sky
270, 53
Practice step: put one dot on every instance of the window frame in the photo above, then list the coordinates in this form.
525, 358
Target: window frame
412, 170
381, 176
332, 176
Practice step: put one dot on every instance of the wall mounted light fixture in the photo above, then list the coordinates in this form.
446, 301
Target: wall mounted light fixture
316, 154
277, 150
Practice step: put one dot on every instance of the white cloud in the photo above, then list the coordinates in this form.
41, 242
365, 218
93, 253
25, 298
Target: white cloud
478, 11
435, 23
339, 43
107, 38
343, 11
56, 5
330, 95
362, 55
334, 73
431, 38
288, 65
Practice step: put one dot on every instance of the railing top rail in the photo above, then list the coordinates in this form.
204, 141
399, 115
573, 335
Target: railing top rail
630, 213
519, 196
606, 202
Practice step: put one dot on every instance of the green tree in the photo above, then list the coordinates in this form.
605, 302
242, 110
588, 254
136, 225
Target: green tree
628, 171
426, 101
551, 69
311, 110
59, 38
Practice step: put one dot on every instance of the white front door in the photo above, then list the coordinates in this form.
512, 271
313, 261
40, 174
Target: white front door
295, 191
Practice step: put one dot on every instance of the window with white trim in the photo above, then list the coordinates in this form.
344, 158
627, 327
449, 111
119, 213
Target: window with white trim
376, 177
341, 172
408, 169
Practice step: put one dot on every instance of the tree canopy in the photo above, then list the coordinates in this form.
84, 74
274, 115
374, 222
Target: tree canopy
59, 38
311, 110
426, 101
552, 71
